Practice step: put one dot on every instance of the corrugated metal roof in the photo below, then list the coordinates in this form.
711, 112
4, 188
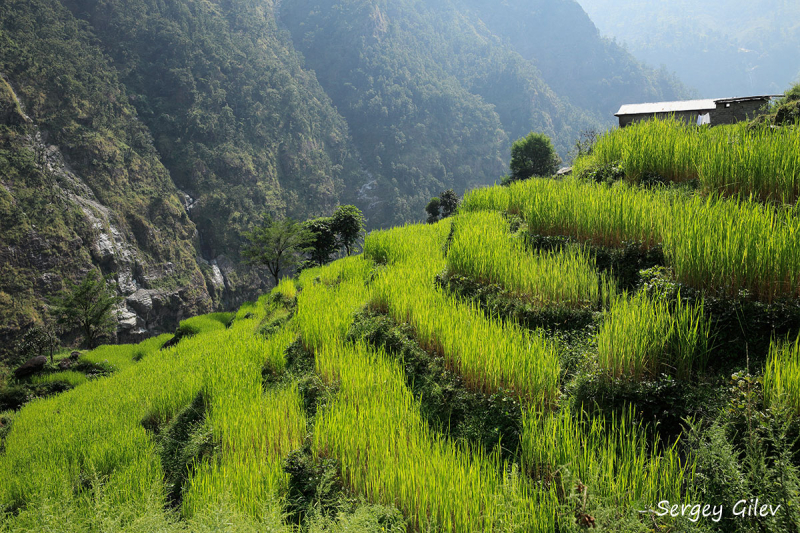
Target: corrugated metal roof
750, 98
685, 105
667, 107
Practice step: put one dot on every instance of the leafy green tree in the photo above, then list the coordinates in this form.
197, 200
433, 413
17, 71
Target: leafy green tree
277, 245
88, 305
448, 202
433, 209
533, 155
37, 340
348, 225
322, 239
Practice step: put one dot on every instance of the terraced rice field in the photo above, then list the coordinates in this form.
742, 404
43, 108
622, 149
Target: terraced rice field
205, 435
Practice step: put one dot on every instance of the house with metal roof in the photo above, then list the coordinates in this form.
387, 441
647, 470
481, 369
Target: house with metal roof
713, 111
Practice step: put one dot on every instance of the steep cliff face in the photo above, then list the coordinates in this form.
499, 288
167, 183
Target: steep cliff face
239, 124
81, 185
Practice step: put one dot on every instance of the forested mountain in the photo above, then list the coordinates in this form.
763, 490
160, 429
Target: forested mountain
559, 38
144, 136
720, 47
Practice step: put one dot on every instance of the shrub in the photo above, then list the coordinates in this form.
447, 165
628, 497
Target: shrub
533, 155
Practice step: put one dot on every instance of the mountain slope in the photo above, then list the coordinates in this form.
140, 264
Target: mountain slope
81, 181
560, 39
435, 91
722, 48
239, 124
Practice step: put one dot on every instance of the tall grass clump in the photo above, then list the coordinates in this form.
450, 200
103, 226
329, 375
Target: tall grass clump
484, 249
386, 450
645, 336
782, 374
722, 246
96, 437
737, 160
68, 376
118, 357
489, 353
614, 460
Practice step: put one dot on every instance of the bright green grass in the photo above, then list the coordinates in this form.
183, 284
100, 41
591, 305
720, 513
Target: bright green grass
92, 439
645, 336
614, 460
387, 453
489, 353
722, 246
117, 357
734, 160
484, 249
205, 323
782, 374
67, 376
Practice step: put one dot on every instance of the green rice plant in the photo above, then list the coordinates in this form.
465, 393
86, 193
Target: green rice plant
737, 160
646, 335
614, 461
483, 249
286, 288
722, 246
416, 243
374, 428
117, 357
96, 436
490, 354
67, 376
205, 323
387, 453
782, 374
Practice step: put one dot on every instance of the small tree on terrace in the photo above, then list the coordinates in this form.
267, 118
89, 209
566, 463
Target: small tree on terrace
347, 224
448, 201
433, 209
442, 206
321, 239
88, 305
533, 155
277, 245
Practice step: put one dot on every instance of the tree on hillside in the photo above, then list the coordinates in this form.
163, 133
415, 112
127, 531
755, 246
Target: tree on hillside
89, 306
277, 245
322, 242
37, 340
433, 208
448, 203
442, 206
533, 155
348, 225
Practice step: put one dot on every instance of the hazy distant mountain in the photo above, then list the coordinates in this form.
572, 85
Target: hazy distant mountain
719, 47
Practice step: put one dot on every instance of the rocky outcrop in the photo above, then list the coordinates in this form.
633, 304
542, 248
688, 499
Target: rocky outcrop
59, 228
31, 366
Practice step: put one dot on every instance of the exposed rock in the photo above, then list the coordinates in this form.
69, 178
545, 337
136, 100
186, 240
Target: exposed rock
31, 366
216, 276
141, 302
127, 319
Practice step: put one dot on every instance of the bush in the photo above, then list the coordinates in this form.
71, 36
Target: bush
533, 155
